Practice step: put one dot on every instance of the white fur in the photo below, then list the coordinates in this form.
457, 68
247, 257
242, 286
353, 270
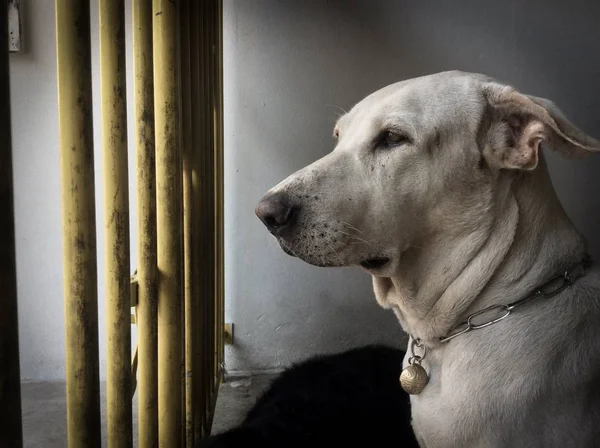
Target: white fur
468, 217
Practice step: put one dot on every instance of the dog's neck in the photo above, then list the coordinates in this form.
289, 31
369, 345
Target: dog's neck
525, 239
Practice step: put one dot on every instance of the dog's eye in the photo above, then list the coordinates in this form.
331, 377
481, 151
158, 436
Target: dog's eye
393, 138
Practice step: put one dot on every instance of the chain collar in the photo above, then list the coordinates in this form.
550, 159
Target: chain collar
498, 312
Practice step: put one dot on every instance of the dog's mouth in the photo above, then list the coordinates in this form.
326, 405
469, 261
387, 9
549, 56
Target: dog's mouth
370, 264
375, 263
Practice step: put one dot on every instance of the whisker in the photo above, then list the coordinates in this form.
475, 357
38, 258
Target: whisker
357, 238
344, 111
351, 227
335, 253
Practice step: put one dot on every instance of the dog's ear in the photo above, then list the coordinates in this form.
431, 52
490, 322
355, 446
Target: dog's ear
519, 123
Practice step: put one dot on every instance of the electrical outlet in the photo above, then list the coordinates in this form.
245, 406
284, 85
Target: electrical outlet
228, 334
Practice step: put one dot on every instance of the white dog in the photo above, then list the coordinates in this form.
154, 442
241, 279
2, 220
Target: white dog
439, 189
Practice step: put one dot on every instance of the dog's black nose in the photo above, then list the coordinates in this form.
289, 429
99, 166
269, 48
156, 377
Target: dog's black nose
276, 212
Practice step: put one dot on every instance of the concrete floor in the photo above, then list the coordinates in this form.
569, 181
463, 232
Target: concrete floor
236, 397
45, 414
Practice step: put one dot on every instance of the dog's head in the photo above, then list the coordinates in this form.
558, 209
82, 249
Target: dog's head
413, 160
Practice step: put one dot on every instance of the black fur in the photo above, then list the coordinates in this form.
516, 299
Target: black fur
350, 399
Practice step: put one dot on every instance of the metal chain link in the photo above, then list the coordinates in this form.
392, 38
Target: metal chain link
499, 312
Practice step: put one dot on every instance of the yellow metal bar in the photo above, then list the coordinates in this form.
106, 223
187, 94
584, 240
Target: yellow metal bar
221, 210
79, 221
181, 45
197, 135
216, 198
169, 217
146, 208
221, 199
10, 386
219, 194
210, 215
206, 228
186, 25
213, 207
116, 221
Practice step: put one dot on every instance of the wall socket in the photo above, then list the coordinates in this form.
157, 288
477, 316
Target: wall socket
229, 334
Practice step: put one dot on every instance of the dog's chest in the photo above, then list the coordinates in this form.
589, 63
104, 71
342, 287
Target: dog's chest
452, 409
495, 398
472, 396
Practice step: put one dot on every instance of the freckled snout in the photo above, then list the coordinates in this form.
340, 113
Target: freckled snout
277, 212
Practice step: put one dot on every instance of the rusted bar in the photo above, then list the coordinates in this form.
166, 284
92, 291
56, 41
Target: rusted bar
218, 181
221, 209
185, 27
197, 82
210, 149
215, 192
79, 221
169, 217
206, 231
146, 208
11, 433
116, 221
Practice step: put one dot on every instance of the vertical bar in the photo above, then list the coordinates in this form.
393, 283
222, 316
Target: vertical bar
215, 216
168, 196
146, 206
196, 78
217, 167
182, 10
211, 200
186, 122
116, 221
11, 434
216, 195
206, 230
218, 198
79, 221
215, 190
221, 172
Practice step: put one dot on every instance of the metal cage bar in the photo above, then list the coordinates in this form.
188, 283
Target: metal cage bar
210, 224
186, 25
218, 194
196, 94
116, 221
79, 221
182, 44
146, 205
169, 217
10, 387
215, 191
221, 196
206, 229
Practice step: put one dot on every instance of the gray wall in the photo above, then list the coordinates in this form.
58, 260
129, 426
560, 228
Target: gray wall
290, 66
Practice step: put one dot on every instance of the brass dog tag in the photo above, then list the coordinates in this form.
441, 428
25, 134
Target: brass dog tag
414, 378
